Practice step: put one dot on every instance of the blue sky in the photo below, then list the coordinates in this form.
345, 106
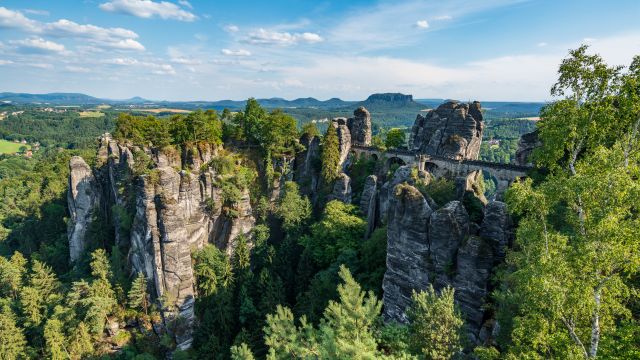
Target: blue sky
209, 50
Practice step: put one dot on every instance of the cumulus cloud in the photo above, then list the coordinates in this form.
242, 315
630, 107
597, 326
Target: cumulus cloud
542, 44
10, 19
112, 38
121, 61
239, 52
422, 24
270, 37
37, 45
443, 17
148, 9
5, 62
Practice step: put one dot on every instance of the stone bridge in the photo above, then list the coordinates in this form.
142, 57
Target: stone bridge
504, 174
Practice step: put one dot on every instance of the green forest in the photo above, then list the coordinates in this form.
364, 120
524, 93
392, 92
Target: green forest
306, 285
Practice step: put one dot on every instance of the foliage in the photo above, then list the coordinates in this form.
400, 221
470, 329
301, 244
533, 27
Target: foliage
578, 241
339, 229
441, 190
436, 325
330, 156
293, 208
138, 295
396, 138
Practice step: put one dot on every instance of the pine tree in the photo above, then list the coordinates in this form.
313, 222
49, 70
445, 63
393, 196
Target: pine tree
80, 344
348, 326
100, 267
241, 352
436, 324
330, 156
138, 295
293, 208
12, 340
55, 340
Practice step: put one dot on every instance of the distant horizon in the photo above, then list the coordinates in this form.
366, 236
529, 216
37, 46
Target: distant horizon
184, 50
415, 98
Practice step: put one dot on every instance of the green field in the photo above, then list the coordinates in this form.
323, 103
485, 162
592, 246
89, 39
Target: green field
9, 147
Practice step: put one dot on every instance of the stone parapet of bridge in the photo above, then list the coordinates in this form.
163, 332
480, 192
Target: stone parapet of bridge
504, 174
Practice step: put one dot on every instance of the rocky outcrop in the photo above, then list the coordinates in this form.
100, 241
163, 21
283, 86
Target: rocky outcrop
407, 251
174, 212
307, 166
360, 127
448, 228
83, 198
368, 203
453, 130
441, 247
341, 189
527, 143
344, 139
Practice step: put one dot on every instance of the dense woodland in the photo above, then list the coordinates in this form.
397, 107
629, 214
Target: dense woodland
309, 288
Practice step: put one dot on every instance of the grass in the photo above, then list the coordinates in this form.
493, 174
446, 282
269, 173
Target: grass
10, 147
92, 114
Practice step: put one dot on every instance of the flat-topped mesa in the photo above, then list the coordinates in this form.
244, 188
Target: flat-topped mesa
453, 130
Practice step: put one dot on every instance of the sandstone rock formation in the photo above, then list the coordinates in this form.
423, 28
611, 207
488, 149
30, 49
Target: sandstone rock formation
527, 143
344, 139
83, 198
341, 189
453, 130
307, 167
368, 203
170, 220
360, 127
440, 247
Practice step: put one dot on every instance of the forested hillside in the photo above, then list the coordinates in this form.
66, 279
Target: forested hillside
293, 270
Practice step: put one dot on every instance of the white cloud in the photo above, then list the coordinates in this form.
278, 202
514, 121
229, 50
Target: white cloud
121, 61
588, 40
270, 37
113, 38
148, 9
5, 62
231, 28
422, 24
443, 17
542, 44
239, 52
37, 45
10, 19
185, 3
201, 37
77, 69
161, 69
185, 61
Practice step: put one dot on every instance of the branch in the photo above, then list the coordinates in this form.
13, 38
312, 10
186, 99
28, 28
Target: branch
569, 325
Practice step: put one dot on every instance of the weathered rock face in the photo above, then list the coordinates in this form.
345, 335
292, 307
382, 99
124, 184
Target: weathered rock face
360, 127
527, 143
83, 198
341, 189
452, 130
306, 165
171, 218
368, 203
407, 251
441, 248
344, 139
448, 228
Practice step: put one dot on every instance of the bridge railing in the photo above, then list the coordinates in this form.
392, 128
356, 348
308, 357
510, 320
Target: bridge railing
480, 163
